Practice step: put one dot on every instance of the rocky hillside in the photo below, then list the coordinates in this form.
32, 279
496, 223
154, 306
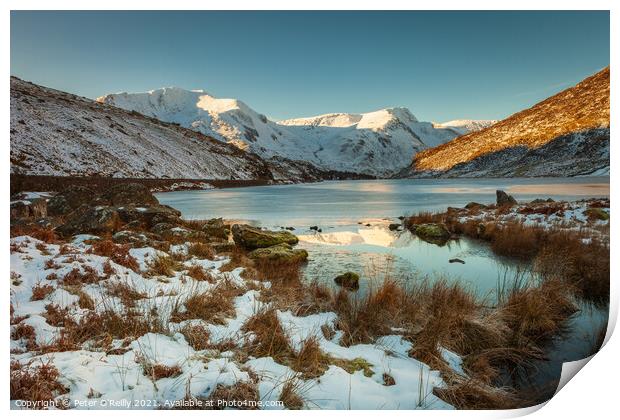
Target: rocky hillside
377, 143
56, 133
564, 135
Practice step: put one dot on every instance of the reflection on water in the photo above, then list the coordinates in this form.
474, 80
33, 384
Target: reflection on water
374, 251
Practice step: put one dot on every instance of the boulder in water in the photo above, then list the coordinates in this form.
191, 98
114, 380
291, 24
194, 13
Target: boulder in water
251, 237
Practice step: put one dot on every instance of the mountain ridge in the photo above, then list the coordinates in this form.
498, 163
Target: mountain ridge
574, 124
61, 134
378, 143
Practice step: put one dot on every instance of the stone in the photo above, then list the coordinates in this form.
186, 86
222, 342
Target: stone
394, 226
281, 253
216, 228
35, 208
504, 199
348, 280
70, 199
250, 237
94, 220
473, 205
456, 260
132, 194
435, 233
149, 216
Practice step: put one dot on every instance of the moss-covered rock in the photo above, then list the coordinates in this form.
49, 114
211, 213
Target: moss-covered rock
250, 237
281, 253
432, 232
595, 213
348, 280
216, 228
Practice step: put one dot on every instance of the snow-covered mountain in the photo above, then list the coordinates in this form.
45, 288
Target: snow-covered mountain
378, 143
57, 133
466, 126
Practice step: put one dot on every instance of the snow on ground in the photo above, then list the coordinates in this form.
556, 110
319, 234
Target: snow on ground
95, 378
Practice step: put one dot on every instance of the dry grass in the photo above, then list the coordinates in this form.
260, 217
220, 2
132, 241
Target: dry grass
38, 383
84, 301
196, 336
44, 234
117, 253
584, 266
201, 250
238, 258
51, 265
213, 306
163, 265
25, 332
125, 292
157, 371
76, 277
200, 274
57, 316
310, 361
102, 327
473, 395
41, 291
269, 338
241, 396
290, 395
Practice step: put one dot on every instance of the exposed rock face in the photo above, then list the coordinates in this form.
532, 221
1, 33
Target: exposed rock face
348, 280
129, 194
130, 205
432, 232
95, 220
33, 208
216, 228
252, 238
282, 253
70, 199
504, 199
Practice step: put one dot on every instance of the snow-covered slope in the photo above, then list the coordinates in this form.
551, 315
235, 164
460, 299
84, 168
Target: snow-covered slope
377, 143
466, 126
56, 133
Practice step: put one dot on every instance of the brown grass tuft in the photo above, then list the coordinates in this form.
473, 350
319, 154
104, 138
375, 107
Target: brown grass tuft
41, 291
196, 336
117, 253
201, 250
38, 383
213, 306
198, 273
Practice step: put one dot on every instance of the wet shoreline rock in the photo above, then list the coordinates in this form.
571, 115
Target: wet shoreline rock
435, 233
250, 237
281, 253
348, 280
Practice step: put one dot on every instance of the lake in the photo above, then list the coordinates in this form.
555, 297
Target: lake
354, 217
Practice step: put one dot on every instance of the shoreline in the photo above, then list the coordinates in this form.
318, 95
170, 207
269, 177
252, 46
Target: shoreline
54, 183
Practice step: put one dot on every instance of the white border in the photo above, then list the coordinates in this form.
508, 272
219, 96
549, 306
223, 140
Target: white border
592, 395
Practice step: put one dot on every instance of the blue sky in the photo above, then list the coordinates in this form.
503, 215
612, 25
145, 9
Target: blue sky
441, 65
